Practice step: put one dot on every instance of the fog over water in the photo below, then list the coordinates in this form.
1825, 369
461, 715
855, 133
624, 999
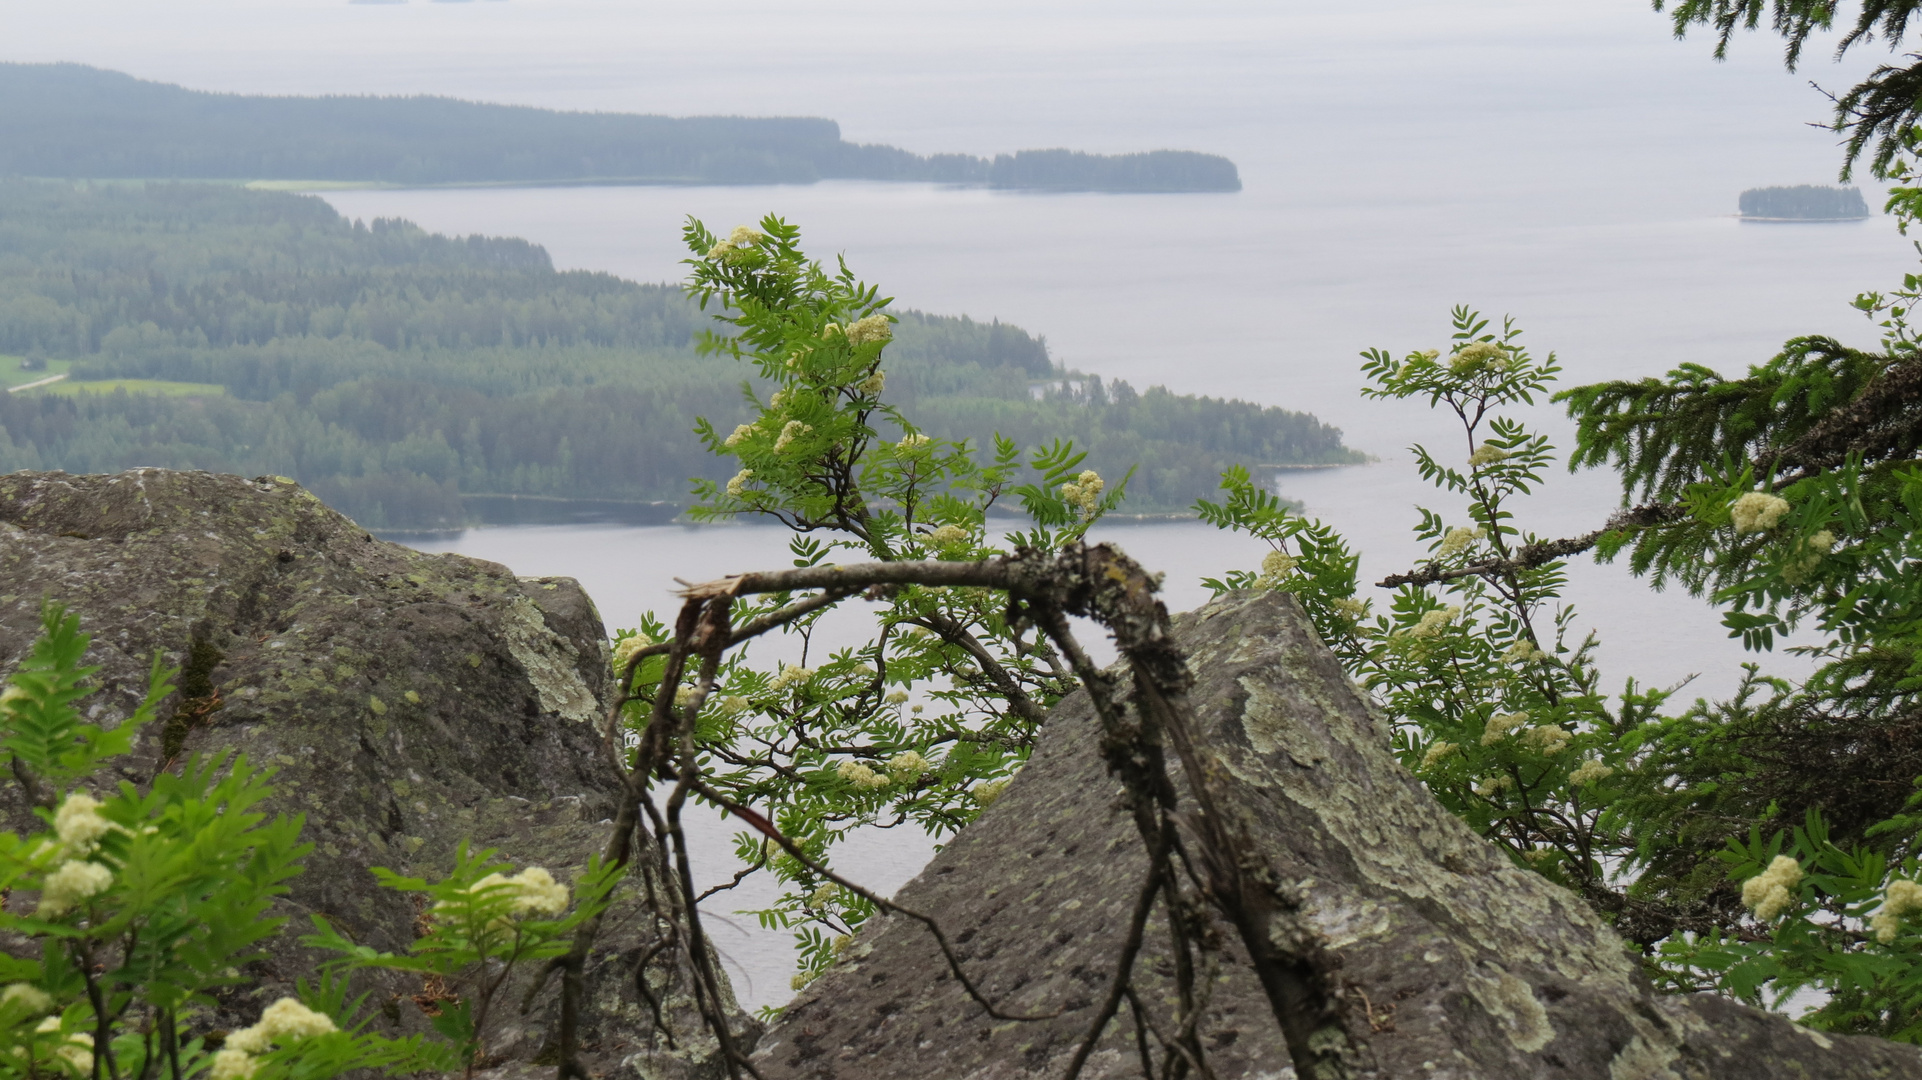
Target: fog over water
1565, 162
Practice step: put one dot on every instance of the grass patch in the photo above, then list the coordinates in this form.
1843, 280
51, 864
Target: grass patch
11, 374
134, 386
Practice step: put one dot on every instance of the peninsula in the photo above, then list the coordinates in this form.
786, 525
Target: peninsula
72, 122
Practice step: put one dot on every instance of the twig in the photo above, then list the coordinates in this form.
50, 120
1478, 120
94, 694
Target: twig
766, 828
1124, 964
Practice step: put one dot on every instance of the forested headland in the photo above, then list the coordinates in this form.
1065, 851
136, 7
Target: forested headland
392, 370
75, 122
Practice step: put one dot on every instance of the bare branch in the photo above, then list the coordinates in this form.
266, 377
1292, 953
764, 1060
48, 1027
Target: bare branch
767, 829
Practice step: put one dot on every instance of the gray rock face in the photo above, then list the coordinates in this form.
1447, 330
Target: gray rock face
409, 701
1450, 962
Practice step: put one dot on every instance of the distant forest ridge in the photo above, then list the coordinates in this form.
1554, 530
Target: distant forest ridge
70, 121
394, 371
1804, 202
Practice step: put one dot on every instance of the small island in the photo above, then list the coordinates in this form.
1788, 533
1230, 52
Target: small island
1803, 202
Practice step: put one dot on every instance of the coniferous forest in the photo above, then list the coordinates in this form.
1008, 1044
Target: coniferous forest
1804, 202
75, 122
392, 370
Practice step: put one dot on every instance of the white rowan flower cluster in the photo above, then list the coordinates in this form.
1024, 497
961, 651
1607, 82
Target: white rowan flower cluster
1275, 566
898, 697
1084, 491
946, 535
232, 1065
1478, 356
986, 793
1547, 739
791, 431
1438, 751
1767, 893
734, 705
1798, 569
790, 675
1900, 898
873, 384
1500, 725
1487, 788
738, 483
1488, 454
74, 881
871, 329
1459, 539
684, 696
531, 890
1350, 608
285, 1021
861, 776
908, 764
828, 891
627, 647
1523, 651
25, 998
1433, 622
1589, 771
742, 432
1757, 511
778, 399
737, 242
79, 825
76, 1049
913, 442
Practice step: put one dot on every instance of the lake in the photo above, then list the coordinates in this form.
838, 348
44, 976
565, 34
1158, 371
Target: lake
1568, 164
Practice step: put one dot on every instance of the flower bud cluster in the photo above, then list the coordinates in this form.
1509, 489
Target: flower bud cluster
861, 776
1487, 454
285, 1021
790, 675
1768, 893
1589, 771
1084, 492
1899, 899
1275, 566
1438, 751
1757, 511
737, 244
1479, 356
1459, 539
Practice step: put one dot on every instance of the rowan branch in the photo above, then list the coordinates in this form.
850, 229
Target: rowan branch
1649, 516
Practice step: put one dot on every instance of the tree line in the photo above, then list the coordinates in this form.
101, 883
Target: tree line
78, 122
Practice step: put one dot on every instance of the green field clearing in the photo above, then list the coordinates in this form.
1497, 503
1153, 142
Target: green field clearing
11, 375
134, 386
